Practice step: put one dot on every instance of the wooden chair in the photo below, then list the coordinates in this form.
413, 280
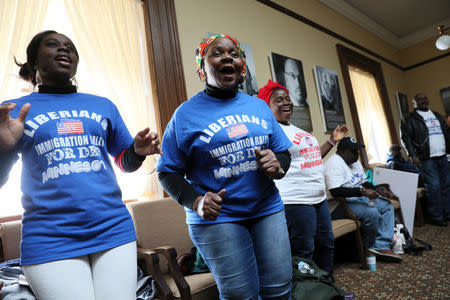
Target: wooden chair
11, 234
161, 227
419, 219
351, 224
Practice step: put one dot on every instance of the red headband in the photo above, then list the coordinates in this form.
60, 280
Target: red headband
266, 91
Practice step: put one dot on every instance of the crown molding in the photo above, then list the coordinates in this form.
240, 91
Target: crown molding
364, 21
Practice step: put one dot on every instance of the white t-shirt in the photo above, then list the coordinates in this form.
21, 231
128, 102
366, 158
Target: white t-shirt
339, 174
436, 136
304, 182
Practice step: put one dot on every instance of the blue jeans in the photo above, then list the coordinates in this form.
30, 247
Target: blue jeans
377, 222
310, 233
249, 259
436, 177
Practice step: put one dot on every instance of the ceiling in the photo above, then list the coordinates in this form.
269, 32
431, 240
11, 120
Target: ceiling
401, 23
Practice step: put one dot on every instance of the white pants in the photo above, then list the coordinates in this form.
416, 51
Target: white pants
105, 275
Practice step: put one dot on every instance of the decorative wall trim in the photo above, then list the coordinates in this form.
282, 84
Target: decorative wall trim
344, 39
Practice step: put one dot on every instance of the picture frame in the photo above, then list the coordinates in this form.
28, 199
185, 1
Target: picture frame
445, 96
402, 105
288, 72
330, 100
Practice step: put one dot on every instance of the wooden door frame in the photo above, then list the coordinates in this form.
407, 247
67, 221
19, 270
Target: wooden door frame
349, 57
166, 67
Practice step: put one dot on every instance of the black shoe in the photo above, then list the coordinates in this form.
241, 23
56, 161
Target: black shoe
439, 223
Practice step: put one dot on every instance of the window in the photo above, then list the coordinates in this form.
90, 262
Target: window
369, 105
371, 115
111, 40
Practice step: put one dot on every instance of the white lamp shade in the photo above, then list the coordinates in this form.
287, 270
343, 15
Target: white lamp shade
443, 42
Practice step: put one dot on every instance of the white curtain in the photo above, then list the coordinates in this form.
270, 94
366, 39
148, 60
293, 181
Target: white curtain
20, 20
111, 40
371, 114
110, 37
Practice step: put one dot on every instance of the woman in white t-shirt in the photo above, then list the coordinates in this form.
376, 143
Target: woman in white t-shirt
303, 187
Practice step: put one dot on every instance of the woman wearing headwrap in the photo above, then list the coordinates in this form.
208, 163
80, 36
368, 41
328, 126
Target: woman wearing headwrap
222, 150
303, 188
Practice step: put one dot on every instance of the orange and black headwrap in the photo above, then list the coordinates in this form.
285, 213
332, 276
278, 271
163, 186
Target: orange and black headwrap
203, 48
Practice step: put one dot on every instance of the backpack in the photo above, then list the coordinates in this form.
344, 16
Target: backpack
409, 247
316, 285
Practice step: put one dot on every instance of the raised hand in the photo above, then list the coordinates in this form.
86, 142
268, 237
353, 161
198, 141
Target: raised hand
209, 206
268, 162
147, 143
339, 133
11, 130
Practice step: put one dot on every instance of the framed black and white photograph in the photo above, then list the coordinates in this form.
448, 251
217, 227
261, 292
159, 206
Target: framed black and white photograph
250, 85
402, 104
288, 72
329, 95
445, 95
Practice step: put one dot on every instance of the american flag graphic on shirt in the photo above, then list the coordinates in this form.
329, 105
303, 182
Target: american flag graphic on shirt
69, 126
237, 131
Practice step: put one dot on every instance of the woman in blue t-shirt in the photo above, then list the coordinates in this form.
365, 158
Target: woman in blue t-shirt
77, 235
222, 150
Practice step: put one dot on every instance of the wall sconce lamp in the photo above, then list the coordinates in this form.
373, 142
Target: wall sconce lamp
443, 42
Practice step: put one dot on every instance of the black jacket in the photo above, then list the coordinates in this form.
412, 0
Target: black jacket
415, 135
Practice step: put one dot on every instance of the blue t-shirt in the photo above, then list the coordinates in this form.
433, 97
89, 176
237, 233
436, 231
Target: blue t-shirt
211, 141
72, 202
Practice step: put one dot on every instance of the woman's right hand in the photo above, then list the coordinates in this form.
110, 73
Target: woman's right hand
11, 130
209, 205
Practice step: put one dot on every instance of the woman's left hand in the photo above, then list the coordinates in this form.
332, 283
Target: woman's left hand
268, 162
147, 143
339, 133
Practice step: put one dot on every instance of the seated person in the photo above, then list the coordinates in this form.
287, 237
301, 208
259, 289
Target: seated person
395, 161
344, 176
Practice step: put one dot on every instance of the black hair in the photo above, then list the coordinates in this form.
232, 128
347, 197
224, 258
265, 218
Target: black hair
28, 69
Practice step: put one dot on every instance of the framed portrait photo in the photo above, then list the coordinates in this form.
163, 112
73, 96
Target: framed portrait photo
250, 85
402, 104
445, 95
329, 95
288, 72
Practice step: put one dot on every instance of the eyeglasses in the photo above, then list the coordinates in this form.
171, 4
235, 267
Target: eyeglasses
291, 75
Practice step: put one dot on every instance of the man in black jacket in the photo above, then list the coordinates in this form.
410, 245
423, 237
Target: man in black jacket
426, 139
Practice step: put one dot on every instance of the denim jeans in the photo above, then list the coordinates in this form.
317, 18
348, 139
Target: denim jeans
310, 233
249, 259
436, 176
377, 222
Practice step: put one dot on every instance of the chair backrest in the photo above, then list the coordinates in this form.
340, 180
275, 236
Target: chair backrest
160, 222
11, 235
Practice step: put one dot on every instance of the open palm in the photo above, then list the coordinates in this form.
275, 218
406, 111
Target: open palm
11, 130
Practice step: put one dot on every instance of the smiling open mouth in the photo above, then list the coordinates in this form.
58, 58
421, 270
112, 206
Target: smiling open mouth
227, 71
64, 59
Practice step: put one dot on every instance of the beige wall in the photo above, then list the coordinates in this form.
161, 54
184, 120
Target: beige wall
430, 79
267, 30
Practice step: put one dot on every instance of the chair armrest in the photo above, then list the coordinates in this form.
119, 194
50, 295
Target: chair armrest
347, 211
170, 254
149, 262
